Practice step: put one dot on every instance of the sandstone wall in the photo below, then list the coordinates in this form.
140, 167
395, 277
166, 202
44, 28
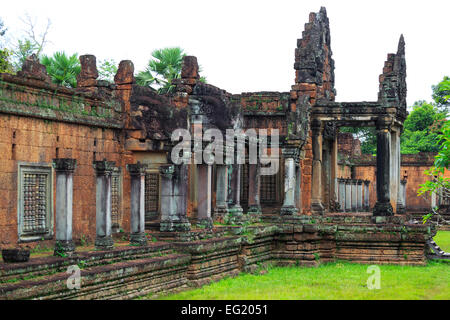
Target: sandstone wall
40, 122
413, 167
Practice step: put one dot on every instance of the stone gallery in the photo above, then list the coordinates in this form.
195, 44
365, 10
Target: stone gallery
95, 165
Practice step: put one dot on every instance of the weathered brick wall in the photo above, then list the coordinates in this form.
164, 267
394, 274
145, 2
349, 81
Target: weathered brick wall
314, 80
413, 167
37, 140
40, 122
367, 173
347, 145
306, 183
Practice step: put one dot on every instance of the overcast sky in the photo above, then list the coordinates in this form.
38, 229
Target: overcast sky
245, 45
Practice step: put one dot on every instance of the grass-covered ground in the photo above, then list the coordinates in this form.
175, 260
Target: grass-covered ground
340, 280
442, 238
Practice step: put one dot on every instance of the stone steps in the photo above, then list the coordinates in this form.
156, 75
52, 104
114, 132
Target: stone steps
121, 280
40, 267
437, 252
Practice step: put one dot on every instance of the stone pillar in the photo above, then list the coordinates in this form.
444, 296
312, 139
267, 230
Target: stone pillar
366, 195
383, 205
348, 195
180, 193
434, 200
359, 192
395, 168
316, 188
87, 78
137, 174
334, 173
354, 195
173, 198
64, 203
204, 195
401, 202
103, 170
341, 194
221, 190
298, 190
289, 207
234, 191
254, 184
168, 205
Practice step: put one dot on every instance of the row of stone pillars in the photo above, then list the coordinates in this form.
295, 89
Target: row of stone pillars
173, 197
228, 186
390, 195
64, 202
353, 195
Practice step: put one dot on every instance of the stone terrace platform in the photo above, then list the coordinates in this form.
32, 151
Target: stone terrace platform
198, 257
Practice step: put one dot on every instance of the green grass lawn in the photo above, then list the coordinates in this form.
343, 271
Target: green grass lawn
340, 280
442, 239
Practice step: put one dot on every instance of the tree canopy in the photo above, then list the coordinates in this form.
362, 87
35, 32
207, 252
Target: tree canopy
62, 69
164, 66
422, 127
441, 95
5, 53
162, 69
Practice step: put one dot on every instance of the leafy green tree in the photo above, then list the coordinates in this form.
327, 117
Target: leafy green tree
24, 49
5, 64
164, 66
441, 95
107, 70
5, 53
438, 183
422, 129
367, 136
62, 69
32, 43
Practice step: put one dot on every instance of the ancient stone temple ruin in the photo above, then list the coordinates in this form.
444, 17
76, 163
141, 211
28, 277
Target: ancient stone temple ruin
96, 163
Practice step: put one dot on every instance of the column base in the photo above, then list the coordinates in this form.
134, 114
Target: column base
104, 243
383, 209
64, 248
177, 225
220, 211
288, 210
138, 239
182, 225
317, 208
401, 209
254, 209
235, 210
206, 223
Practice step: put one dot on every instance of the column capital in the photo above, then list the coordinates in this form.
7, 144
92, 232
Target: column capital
65, 165
103, 167
316, 126
137, 169
384, 123
167, 170
289, 152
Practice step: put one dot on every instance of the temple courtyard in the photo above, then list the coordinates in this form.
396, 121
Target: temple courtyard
337, 280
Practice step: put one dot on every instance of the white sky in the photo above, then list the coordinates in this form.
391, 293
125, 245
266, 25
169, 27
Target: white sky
246, 45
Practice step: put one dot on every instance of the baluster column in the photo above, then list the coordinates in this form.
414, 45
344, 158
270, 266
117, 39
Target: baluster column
64, 204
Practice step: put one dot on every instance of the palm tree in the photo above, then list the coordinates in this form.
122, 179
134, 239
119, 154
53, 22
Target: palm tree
62, 69
162, 69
